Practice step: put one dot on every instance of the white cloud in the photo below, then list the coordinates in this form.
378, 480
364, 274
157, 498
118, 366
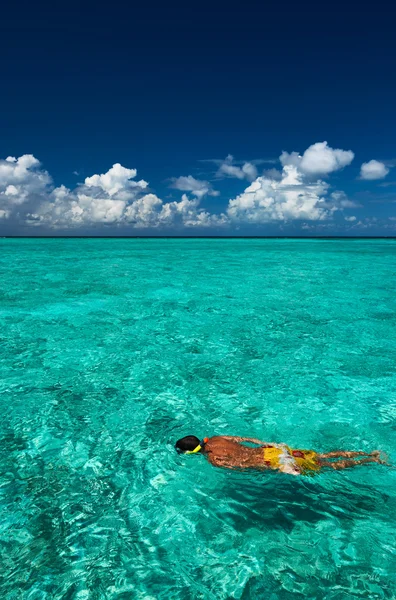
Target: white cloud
339, 200
196, 186
144, 210
273, 174
250, 171
373, 169
229, 169
267, 200
351, 219
188, 213
21, 179
147, 211
296, 192
318, 159
101, 199
117, 179
151, 211
28, 195
368, 222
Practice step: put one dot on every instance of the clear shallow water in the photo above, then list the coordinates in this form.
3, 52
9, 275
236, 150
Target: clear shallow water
110, 350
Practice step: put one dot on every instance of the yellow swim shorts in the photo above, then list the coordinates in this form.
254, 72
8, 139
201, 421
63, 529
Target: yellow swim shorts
306, 460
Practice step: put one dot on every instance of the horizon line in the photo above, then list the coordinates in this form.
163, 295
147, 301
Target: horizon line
218, 237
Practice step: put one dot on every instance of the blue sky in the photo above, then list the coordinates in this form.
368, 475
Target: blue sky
160, 119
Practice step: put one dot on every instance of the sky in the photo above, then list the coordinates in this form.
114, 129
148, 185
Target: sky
206, 118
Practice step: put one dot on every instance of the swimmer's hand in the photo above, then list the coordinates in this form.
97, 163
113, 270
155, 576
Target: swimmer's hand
290, 469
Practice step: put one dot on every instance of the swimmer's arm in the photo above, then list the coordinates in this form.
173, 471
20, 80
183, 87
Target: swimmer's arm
234, 438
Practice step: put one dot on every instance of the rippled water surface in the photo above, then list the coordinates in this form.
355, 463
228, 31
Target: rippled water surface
112, 349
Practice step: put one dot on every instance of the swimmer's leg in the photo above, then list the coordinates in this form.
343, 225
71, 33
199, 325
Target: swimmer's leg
344, 454
345, 464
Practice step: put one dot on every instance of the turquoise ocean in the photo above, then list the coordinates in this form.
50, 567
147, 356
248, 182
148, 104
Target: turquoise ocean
112, 349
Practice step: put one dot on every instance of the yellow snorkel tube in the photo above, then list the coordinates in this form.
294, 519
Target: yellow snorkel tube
197, 449
201, 446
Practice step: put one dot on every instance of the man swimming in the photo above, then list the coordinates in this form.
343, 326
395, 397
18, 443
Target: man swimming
230, 452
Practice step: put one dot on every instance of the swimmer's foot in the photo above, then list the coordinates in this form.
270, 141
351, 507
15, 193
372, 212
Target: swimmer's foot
380, 457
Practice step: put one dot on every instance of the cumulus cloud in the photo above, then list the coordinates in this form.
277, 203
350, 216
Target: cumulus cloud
373, 169
117, 198
228, 169
319, 159
150, 211
273, 174
117, 179
267, 200
21, 181
28, 196
197, 187
100, 199
296, 192
187, 212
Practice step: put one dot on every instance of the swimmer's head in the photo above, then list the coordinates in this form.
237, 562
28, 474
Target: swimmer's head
188, 445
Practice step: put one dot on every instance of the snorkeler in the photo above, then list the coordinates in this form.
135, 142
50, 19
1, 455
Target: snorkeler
229, 452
